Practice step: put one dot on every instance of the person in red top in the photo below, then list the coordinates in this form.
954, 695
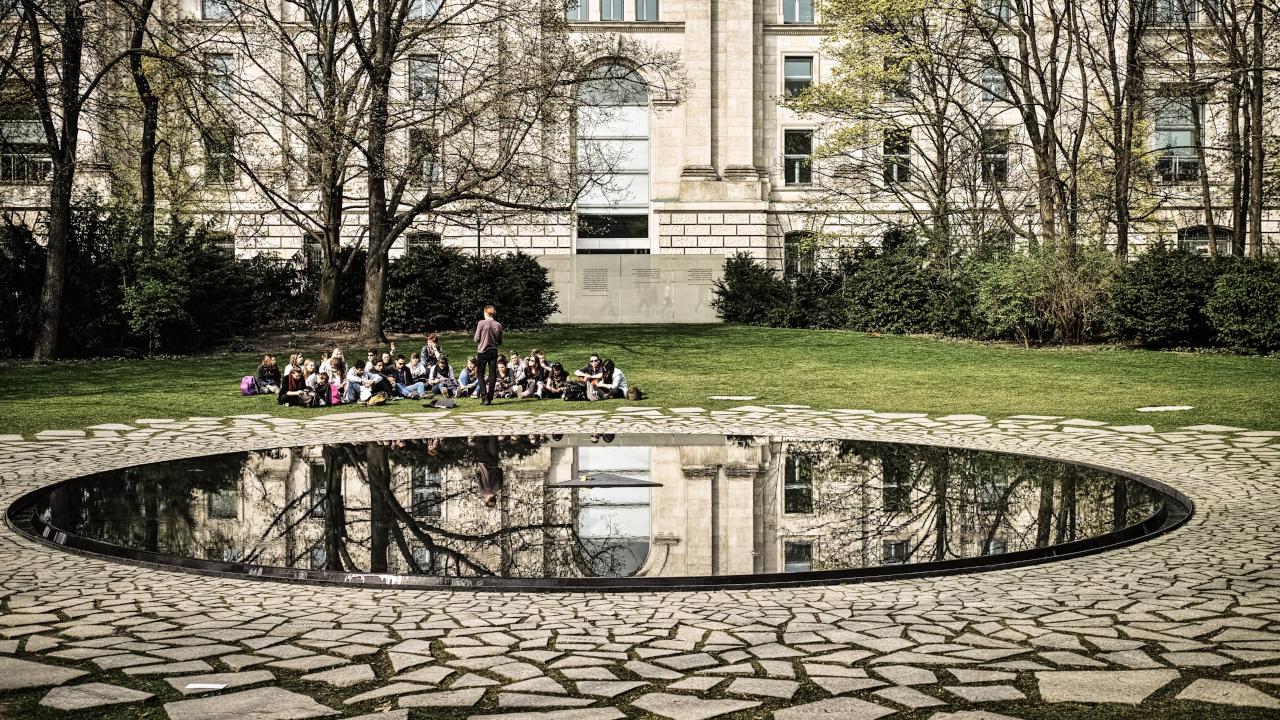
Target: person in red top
488, 338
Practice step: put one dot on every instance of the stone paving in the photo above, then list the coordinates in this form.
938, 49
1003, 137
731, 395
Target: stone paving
1187, 623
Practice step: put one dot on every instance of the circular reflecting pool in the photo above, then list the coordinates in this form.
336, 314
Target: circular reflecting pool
599, 512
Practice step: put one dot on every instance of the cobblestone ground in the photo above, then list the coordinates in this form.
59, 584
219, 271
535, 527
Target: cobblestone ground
1186, 624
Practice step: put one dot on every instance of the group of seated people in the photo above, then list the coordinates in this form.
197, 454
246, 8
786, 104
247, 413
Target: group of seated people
428, 374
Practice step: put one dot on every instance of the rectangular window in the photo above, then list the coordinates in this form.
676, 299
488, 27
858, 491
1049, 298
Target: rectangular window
224, 504
797, 74
427, 493
993, 84
893, 552
995, 156
578, 11
217, 9
424, 78
424, 157
897, 156
313, 255
1000, 10
315, 154
224, 242
797, 485
317, 501
799, 255
24, 154
797, 12
611, 10
220, 71
315, 79
1175, 12
992, 492
424, 9
895, 485
421, 239
646, 10
317, 557
897, 79
797, 149
996, 546
1176, 158
219, 155
797, 556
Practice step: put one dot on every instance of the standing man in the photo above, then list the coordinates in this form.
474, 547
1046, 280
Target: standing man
488, 339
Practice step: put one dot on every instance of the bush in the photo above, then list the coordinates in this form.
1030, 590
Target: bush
1159, 298
21, 275
749, 292
1046, 294
441, 288
1245, 306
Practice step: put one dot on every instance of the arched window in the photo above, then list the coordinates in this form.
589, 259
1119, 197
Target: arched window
613, 159
1196, 239
798, 254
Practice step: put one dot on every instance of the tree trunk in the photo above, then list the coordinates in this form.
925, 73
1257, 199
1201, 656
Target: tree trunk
375, 268
46, 346
380, 515
1255, 142
375, 271
1237, 170
150, 120
327, 294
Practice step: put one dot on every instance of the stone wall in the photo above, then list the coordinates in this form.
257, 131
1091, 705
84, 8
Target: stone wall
615, 289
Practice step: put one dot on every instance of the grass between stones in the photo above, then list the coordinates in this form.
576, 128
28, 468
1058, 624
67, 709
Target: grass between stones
681, 365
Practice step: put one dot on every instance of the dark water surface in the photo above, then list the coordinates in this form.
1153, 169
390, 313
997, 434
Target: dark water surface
578, 506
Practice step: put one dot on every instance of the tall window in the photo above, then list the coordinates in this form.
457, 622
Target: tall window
895, 484
216, 9
797, 485
424, 9
224, 504
427, 493
611, 10
797, 74
315, 78
798, 254
220, 71
613, 158
797, 12
219, 155
897, 156
646, 10
424, 78
797, 556
24, 155
578, 11
1176, 159
797, 157
897, 78
315, 154
424, 157
993, 85
994, 153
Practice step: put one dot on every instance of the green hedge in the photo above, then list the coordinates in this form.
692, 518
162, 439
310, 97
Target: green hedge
1245, 306
1159, 299
440, 288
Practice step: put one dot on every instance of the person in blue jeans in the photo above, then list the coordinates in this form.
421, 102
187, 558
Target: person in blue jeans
405, 385
441, 379
468, 380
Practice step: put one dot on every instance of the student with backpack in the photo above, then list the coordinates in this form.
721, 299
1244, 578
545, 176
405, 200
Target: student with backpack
268, 376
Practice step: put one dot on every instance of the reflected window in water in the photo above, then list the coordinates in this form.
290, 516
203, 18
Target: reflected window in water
798, 485
894, 552
797, 556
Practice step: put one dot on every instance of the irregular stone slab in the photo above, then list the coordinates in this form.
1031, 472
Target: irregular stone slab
313, 662
842, 685
763, 687
191, 666
434, 675
193, 652
343, 676
444, 698
402, 661
400, 688
971, 715
614, 688
575, 714
909, 697
90, 695
542, 684
651, 672
471, 680
683, 707
695, 684
516, 699
268, 703
393, 715
688, 662
841, 708
1222, 692
986, 693
227, 680
977, 676
906, 675
16, 674
1102, 686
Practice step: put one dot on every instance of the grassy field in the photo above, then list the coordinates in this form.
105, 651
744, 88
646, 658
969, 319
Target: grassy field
680, 366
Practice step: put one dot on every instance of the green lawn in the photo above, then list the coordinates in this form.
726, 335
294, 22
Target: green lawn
680, 366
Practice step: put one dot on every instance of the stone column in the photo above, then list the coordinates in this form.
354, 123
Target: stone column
734, 67
698, 37
737, 524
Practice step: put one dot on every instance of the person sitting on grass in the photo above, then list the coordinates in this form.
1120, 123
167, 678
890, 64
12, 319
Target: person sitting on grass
406, 387
431, 350
504, 385
418, 370
359, 385
553, 386
338, 375
441, 379
469, 379
295, 360
532, 379
309, 374
293, 391
268, 375
381, 382
327, 365
613, 384
591, 373
326, 392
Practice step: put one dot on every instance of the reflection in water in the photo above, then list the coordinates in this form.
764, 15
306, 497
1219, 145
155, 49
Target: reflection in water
658, 506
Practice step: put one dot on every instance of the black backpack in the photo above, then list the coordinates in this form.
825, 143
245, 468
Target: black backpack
575, 391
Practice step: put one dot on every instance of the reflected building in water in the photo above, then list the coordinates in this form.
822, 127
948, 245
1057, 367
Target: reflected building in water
654, 506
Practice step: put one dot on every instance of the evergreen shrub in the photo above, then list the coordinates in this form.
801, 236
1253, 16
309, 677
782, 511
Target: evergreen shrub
1245, 306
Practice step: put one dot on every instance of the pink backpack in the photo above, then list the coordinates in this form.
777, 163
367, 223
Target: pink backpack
248, 385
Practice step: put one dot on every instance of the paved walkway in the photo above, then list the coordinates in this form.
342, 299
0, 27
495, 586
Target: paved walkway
1183, 623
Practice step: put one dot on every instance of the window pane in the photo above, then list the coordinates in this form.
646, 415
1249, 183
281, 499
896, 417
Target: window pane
611, 10
591, 225
798, 142
797, 11
797, 556
217, 10
424, 75
646, 10
603, 155
797, 73
578, 11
